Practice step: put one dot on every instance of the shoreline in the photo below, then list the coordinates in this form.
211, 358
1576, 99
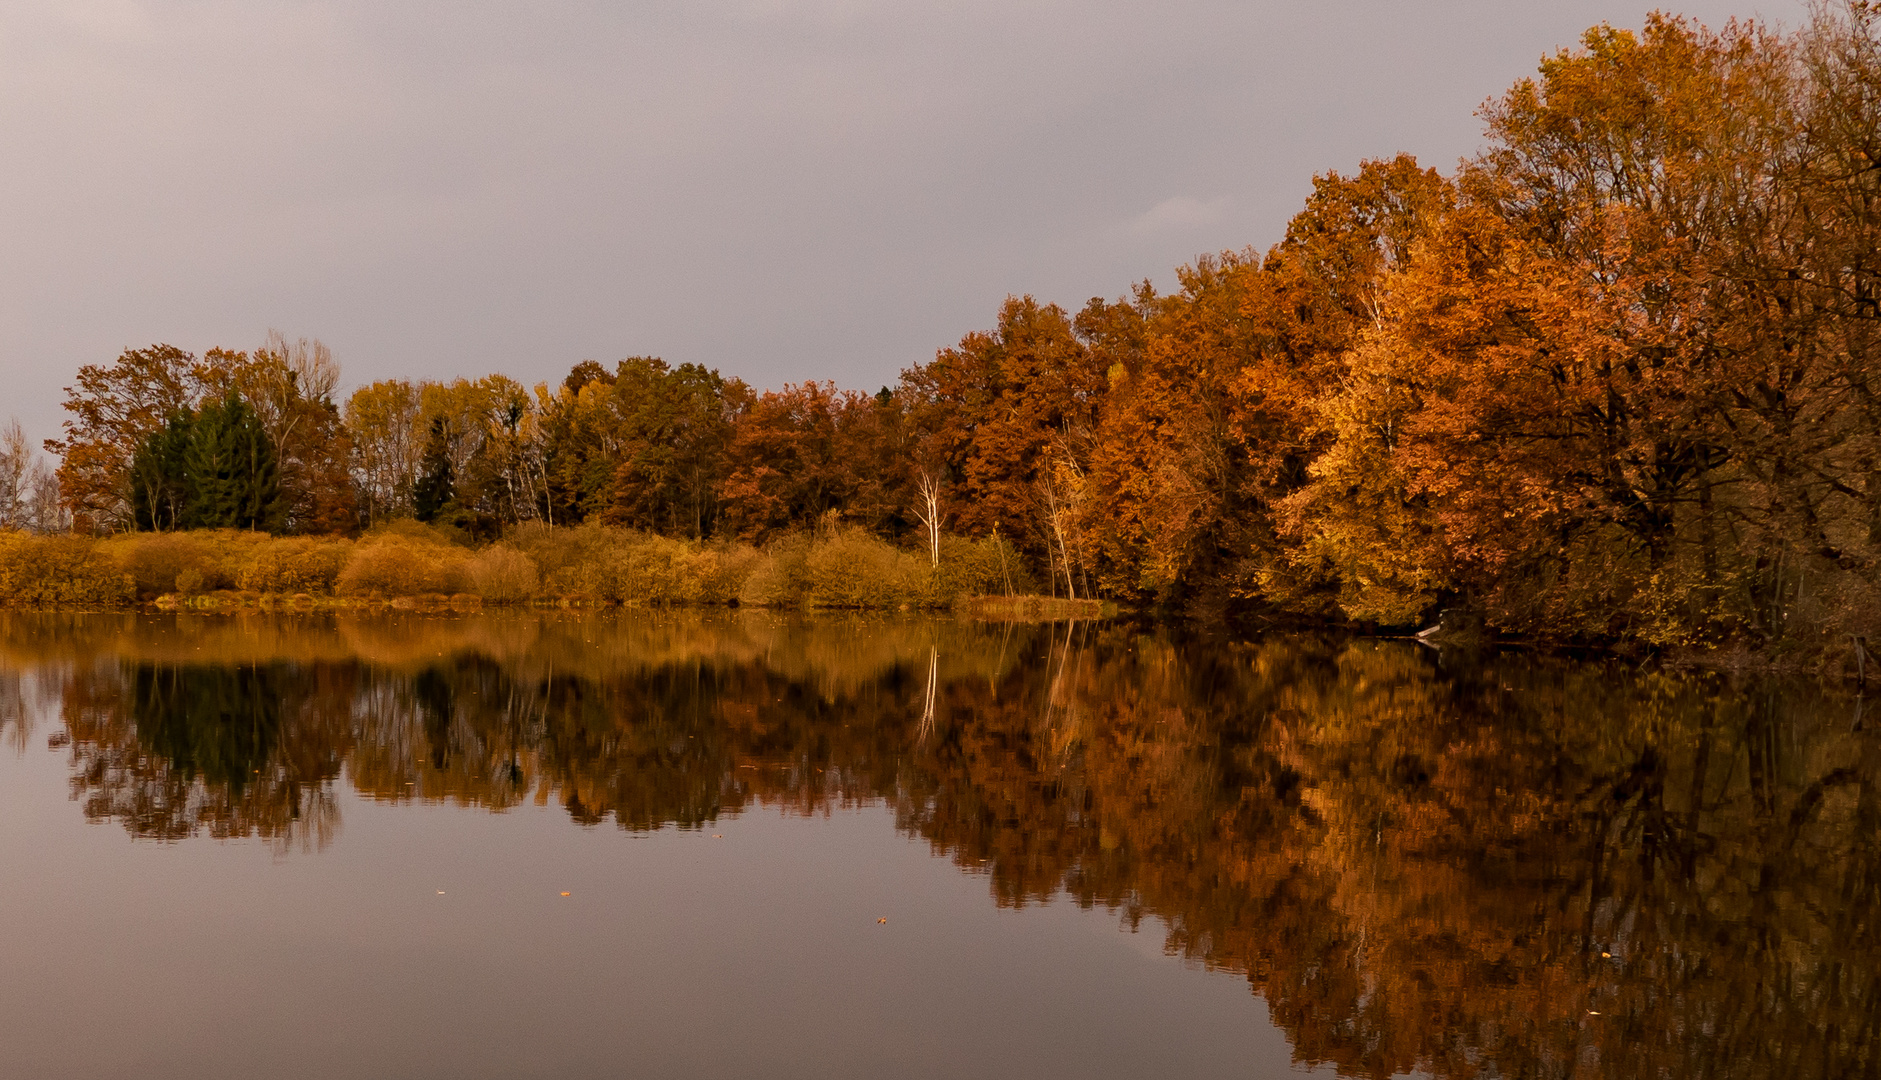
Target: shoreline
1833, 662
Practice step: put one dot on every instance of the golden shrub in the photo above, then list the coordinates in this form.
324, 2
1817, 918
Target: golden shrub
398, 564
852, 569
781, 576
988, 566
156, 560
218, 555
597, 562
725, 574
60, 571
503, 575
296, 565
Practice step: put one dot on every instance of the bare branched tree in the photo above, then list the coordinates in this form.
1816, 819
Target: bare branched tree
928, 487
16, 465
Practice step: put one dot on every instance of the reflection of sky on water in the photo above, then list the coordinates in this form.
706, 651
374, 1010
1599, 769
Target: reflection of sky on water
675, 954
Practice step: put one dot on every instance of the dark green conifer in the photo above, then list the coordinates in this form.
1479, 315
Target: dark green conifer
437, 481
160, 487
234, 476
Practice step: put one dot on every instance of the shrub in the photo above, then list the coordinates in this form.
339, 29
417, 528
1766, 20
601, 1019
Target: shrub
158, 561
60, 571
641, 570
566, 558
402, 564
625, 567
984, 567
502, 575
208, 560
227, 552
298, 565
203, 560
411, 529
843, 568
781, 576
731, 566
852, 569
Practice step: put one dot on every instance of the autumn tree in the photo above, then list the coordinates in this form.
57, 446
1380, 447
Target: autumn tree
578, 443
382, 422
289, 386
673, 427
113, 407
996, 413
1595, 381
1835, 260
803, 452
498, 485
643, 446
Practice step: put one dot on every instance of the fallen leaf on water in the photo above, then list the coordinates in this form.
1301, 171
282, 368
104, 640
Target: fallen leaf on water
881, 920
564, 894
718, 836
1591, 1012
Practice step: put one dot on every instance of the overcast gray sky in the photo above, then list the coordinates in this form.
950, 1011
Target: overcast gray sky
782, 189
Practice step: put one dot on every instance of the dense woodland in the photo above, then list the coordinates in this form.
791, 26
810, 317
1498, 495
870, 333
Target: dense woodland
1614, 378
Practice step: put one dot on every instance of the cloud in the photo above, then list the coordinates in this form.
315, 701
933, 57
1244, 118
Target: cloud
1178, 214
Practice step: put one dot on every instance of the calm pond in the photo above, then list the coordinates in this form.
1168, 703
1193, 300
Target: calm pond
743, 844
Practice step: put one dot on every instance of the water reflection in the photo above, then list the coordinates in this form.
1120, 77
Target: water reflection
1510, 866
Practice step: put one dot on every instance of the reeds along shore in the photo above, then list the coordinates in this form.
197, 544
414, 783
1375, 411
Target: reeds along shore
406, 561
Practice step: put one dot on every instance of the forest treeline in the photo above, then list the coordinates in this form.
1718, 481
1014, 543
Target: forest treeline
1612, 378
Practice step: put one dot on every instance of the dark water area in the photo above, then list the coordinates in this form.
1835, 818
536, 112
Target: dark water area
748, 844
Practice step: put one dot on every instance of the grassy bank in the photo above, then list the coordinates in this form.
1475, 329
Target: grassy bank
406, 564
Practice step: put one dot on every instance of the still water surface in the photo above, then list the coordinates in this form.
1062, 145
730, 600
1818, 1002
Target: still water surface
616, 844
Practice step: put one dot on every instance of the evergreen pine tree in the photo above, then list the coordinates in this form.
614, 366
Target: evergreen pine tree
234, 476
160, 486
437, 480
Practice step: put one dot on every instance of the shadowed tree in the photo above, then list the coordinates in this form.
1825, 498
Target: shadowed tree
160, 483
436, 489
233, 473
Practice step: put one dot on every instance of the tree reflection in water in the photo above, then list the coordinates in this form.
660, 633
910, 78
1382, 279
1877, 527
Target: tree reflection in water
1508, 866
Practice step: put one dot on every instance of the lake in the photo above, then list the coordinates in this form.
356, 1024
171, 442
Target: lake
738, 844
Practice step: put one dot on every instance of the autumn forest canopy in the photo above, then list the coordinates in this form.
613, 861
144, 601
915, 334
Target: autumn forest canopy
1614, 378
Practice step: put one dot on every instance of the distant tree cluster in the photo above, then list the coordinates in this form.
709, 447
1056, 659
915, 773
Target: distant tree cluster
165, 440
29, 491
1616, 376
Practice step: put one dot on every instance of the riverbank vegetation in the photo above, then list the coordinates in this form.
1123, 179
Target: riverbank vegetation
405, 561
1612, 380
